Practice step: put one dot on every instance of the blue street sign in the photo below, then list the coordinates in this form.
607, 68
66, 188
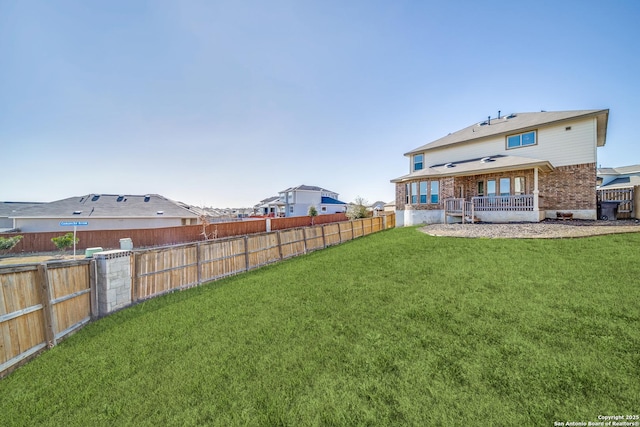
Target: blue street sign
73, 223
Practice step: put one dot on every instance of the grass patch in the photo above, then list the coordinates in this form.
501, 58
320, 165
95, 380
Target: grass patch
398, 328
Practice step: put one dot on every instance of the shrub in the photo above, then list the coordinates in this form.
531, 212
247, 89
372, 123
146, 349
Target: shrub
357, 209
8, 243
64, 242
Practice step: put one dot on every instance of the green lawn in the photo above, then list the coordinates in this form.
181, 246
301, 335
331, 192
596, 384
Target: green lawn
397, 328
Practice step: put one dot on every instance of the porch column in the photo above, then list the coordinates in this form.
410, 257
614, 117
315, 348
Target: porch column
536, 205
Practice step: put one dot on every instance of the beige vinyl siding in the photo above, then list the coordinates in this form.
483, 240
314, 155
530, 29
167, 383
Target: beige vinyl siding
553, 143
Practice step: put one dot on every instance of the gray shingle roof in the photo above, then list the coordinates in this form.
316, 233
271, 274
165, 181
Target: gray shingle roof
108, 206
516, 123
8, 209
307, 188
487, 164
622, 170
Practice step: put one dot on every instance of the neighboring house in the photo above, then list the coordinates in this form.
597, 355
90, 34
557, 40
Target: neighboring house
621, 177
271, 207
106, 212
520, 167
8, 210
377, 206
297, 201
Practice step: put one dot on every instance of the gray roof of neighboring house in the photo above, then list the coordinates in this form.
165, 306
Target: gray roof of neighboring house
514, 123
109, 206
8, 209
623, 182
498, 163
307, 188
622, 170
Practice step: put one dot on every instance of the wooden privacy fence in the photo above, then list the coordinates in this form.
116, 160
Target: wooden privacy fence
622, 195
161, 270
150, 237
39, 306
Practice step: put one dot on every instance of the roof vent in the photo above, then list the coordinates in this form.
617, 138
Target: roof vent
160, 213
77, 212
147, 198
120, 198
449, 165
511, 116
95, 197
486, 159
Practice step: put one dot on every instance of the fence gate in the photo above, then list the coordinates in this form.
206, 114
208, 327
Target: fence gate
622, 195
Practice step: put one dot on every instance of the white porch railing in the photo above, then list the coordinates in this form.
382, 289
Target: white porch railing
503, 203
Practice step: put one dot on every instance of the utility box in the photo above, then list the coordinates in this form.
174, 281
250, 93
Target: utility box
126, 244
88, 253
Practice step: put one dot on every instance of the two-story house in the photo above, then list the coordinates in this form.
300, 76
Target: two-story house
297, 201
518, 167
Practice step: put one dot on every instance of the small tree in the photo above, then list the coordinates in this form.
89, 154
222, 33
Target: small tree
8, 243
358, 209
313, 212
64, 242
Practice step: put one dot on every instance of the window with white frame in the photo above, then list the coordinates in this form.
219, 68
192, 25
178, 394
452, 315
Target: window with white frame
407, 197
521, 140
423, 192
414, 193
505, 186
435, 192
418, 162
491, 187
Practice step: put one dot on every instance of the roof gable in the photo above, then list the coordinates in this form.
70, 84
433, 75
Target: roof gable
514, 123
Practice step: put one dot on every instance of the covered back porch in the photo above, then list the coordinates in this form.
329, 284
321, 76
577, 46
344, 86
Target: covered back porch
493, 209
504, 195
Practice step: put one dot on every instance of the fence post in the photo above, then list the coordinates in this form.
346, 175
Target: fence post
198, 263
304, 239
279, 244
324, 240
47, 311
246, 252
93, 285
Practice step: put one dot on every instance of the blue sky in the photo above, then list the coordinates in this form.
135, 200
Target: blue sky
225, 103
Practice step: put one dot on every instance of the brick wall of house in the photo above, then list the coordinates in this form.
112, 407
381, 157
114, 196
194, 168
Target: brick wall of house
470, 183
565, 188
568, 187
446, 192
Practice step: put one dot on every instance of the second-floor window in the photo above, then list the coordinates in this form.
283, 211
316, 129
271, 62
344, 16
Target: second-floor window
521, 140
418, 162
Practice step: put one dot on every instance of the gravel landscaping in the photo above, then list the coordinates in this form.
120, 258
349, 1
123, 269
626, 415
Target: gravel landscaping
548, 229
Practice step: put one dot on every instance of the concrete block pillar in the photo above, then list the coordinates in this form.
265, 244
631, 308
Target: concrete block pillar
113, 280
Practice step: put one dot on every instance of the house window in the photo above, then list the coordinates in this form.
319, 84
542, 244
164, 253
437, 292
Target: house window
323, 208
521, 140
480, 186
423, 191
414, 193
491, 187
435, 190
505, 186
290, 197
518, 186
418, 162
290, 209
